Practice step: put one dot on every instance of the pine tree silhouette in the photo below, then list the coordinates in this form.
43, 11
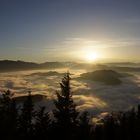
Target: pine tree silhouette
65, 113
8, 116
84, 126
26, 117
42, 123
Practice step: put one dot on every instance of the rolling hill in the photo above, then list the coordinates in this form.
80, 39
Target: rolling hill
108, 77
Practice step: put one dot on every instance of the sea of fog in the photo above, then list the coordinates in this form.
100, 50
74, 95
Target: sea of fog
91, 96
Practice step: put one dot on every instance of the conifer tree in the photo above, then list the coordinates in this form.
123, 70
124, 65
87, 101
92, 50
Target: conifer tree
26, 117
65, 113
8, 115
42, 123
84, 126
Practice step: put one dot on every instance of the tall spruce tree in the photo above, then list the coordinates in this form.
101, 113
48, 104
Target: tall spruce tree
42, 123
85, 128
26, 117
65, 113
8, 116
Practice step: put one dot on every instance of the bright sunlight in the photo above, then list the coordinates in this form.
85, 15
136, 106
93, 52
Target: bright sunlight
91, 56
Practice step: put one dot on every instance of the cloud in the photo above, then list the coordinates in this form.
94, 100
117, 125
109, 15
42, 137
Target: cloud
72, 40
100, 44
87, 102
88, 95
9, 84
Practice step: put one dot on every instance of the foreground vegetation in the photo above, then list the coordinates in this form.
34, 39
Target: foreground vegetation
65, 122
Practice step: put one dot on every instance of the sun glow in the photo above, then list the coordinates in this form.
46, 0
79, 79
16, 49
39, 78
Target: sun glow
91, 56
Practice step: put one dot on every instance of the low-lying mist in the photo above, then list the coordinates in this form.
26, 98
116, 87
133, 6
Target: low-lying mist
89, 95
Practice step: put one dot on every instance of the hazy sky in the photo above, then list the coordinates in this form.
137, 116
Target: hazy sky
52, 30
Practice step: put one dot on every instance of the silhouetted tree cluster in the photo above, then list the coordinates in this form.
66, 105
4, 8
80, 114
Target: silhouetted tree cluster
119, 126
64, 122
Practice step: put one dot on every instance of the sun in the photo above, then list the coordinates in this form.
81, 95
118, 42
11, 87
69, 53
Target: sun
91, 56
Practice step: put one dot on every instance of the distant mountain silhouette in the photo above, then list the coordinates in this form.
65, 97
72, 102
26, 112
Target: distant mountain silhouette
9, 65
126, 69
53, 65
50, 73
108, 77
124, 64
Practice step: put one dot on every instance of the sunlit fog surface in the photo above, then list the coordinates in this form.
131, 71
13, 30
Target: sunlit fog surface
89, 95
